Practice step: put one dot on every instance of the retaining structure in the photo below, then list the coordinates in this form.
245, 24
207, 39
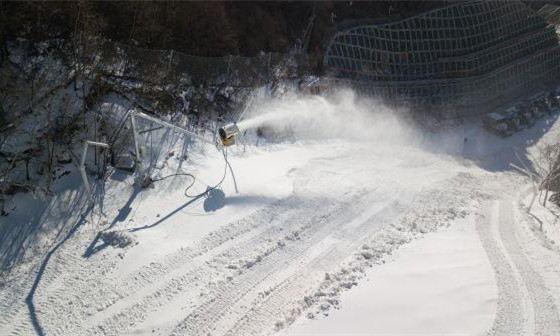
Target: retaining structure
469, 54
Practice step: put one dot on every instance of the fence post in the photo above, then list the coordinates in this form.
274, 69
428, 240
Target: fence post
170, 59
228, 68
268, 68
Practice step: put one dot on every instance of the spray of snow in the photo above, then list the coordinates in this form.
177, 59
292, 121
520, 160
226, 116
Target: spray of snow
341, 115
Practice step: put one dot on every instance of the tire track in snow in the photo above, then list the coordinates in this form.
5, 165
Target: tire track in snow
278, 301
12, 299
87, 279
50, 297
524, 305
17, 317
380, 232
163, 293
544, 256
88, 286
218, 316
544, 318
312, 245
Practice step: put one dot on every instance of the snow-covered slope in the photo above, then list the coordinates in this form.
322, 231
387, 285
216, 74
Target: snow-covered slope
441, 284
312, 218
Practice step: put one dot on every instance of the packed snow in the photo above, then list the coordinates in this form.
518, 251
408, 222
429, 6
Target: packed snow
352, 221
441, 284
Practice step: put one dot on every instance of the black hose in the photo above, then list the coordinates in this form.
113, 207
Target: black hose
208, 189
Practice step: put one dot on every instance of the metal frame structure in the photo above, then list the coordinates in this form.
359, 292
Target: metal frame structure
464, 54
132, 115
83, 166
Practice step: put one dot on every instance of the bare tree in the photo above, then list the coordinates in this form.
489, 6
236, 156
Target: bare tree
3, 37
547, 164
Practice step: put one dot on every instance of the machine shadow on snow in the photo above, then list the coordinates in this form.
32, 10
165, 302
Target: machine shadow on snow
215, 199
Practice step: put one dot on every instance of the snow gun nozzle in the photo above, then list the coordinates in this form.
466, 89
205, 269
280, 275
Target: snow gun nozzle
227, 134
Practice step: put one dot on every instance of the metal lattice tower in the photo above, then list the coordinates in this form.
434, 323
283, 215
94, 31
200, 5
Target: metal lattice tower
467, 54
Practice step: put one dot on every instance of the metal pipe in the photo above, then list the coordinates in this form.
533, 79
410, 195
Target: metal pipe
174, 127
98, 144
150, 130
136, 148
83, 172
83, 166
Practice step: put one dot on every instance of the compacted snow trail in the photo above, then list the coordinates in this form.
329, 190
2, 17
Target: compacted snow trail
525, 306
266, 253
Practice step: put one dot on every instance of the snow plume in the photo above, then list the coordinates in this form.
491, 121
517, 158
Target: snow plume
341, 115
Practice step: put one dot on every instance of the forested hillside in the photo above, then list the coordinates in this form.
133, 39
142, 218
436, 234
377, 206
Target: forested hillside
196, 28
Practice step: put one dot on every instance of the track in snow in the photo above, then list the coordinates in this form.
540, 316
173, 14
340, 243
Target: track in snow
525, 306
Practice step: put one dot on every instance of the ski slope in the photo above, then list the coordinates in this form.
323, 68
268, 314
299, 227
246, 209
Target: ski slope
441, 284
300, 227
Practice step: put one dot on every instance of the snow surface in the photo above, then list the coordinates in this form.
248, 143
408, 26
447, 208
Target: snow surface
441, 284
384, 227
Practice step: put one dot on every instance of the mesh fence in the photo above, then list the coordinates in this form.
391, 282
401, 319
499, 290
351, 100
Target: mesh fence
467, 53
167, 66
550, 13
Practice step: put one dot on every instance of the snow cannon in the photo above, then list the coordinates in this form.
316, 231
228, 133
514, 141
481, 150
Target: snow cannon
227, 134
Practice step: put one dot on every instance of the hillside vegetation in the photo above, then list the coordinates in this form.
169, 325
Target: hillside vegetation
196, 28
